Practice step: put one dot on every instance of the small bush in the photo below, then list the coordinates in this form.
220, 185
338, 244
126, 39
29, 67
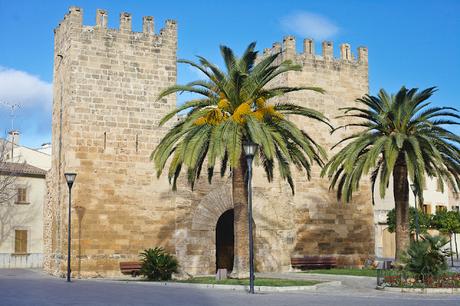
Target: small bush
157, 264
426, 258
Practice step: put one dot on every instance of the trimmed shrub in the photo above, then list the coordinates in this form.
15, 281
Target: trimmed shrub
426, 257
157, 264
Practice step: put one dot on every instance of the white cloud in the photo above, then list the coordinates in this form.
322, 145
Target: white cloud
309, 25
19, 87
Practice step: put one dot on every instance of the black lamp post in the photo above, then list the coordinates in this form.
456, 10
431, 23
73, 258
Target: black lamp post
417, 226
70, 178
249, 151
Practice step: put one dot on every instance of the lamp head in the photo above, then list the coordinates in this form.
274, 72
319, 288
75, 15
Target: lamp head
70, 178
413, 187
249, 148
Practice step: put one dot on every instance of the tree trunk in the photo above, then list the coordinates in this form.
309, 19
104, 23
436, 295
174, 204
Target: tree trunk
401, 197
456, 248
240, 203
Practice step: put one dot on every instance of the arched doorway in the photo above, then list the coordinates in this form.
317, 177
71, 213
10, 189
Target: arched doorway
225, 241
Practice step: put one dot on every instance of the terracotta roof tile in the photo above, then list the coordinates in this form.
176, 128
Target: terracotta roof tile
20, 168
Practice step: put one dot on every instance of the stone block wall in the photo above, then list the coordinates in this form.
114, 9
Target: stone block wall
105, 125
313, 222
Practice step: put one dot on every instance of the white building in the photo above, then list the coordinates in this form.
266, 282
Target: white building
22, 172
434, 200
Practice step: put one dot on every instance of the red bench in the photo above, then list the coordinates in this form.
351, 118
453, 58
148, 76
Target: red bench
132, 268
314, 262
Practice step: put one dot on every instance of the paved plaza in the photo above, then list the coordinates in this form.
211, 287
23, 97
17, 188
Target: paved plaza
33, 287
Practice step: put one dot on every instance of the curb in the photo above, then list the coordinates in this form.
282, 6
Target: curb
342, 276
421, 290
232, 287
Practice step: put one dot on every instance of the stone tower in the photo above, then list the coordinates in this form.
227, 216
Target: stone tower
319, 224
105, 126
105, 118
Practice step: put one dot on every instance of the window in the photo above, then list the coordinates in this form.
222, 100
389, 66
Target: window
22, 195
455, 208
20, 241
440, 208
427, 209
438, 187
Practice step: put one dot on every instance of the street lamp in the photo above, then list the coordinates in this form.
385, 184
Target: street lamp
417, 226
70, 178
249, 151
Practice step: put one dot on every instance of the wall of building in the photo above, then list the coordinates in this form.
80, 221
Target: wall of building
16, 153
323, 225
23, 217
432, 196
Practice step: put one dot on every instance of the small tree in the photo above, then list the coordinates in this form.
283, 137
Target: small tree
7, 174
447, 222
424, 220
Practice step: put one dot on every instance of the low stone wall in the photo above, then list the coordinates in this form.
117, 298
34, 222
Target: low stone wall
33, 260
423, 290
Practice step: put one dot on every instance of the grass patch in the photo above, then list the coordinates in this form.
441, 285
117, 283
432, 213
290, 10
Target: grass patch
274, 282
354, 272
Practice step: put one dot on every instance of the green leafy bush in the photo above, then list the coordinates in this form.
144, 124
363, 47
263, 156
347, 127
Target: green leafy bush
157, 264
426, 257
424, 220
447, 222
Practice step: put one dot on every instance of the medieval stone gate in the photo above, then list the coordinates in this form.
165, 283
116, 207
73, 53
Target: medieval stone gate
105, 126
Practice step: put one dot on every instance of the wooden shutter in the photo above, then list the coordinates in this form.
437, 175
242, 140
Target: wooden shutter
440, 208
20, 242
22, 195
427, 209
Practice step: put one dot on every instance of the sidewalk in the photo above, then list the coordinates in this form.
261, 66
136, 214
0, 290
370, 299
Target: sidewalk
349, 283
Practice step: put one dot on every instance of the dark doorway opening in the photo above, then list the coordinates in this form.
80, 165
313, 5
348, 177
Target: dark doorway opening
224, 241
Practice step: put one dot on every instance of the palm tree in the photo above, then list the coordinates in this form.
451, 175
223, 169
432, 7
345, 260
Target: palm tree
401, 135
235, 106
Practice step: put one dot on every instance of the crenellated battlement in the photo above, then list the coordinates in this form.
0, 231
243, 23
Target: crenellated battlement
289, 51
75, 18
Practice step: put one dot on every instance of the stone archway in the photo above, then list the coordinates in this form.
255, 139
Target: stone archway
211, 207
196, 239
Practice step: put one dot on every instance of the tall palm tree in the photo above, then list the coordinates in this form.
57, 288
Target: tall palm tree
234, 106
401, 135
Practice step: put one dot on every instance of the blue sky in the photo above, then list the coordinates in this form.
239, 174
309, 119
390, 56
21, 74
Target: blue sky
411, 43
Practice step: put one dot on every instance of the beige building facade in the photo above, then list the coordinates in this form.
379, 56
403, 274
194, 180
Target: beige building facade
23, 191
434, 200
105, 126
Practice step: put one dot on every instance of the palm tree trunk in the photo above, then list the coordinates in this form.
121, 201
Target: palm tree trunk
240, 205
401, 197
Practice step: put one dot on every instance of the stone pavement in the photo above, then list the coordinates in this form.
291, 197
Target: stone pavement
350, 284
27, 287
